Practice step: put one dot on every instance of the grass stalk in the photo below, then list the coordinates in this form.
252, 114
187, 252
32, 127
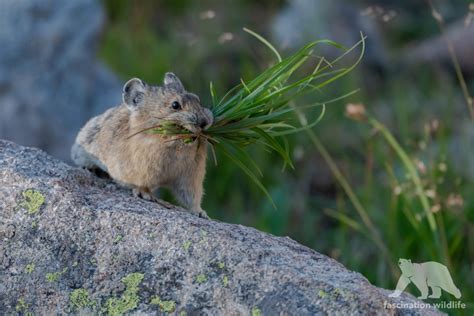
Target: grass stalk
454, 59
361, 211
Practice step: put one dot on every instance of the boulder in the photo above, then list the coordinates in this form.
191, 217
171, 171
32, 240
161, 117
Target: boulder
435, 50
50, 79
72, 243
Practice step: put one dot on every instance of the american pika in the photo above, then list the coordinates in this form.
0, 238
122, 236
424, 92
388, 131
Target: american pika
144, 161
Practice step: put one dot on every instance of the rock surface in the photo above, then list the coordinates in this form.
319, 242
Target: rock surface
73, 243
50, 79
435, 49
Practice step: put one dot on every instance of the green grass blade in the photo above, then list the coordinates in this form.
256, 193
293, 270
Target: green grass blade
264, 41
246, 170
410, 168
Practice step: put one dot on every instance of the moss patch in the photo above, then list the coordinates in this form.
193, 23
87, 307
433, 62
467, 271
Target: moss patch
256, 311
204, 235
165, 306
30, 268
53, 277
21, 305
79, 299
129, 299
201, 278
225, 280
118, 238
321, 293
151, 236
186, 245
32, 201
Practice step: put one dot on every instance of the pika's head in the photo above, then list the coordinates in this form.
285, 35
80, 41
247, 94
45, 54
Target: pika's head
149, 105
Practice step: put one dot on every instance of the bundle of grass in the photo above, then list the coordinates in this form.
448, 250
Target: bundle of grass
262, 111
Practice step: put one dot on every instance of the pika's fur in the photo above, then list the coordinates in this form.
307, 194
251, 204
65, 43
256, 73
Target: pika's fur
146, 162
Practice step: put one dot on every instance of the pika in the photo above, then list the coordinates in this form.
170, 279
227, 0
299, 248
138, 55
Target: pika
112, 142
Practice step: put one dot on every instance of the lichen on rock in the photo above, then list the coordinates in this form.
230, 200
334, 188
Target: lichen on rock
129, 299
54, 276
32, 200
201, 278
165, 306
79, 299
29, 268
198, 266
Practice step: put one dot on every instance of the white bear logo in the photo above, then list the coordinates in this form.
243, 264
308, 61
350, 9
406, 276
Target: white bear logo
427, 274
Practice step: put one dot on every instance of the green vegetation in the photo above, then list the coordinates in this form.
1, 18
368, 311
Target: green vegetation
261, 111
79, 299
117, 239
165, 306
21, 305
201, 278
392, 182
225, 280
30, 268
129, 299
54, 276
32, 201
256, 312
186, 245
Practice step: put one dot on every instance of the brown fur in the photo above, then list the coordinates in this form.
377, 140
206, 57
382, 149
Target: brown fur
146, 162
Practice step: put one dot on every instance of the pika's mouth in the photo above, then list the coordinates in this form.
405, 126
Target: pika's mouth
177, 128
191, 128
169, 128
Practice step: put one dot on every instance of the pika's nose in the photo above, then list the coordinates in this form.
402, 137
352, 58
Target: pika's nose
203, 123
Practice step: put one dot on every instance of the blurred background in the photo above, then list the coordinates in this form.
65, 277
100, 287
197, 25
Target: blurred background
353, 192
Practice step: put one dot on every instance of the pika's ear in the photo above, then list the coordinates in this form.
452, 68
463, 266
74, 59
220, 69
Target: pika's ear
171, 81
133, 93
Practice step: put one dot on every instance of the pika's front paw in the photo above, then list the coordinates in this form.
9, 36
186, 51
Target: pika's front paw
201, 213
144, 194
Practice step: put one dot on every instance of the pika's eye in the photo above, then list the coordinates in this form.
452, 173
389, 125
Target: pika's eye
175, 105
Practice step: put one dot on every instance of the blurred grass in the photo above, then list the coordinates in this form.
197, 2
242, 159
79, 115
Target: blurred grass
422, 109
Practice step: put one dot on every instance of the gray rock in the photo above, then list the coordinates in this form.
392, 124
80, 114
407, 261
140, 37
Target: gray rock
50, 79
435, 49
303, 21
74, 243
